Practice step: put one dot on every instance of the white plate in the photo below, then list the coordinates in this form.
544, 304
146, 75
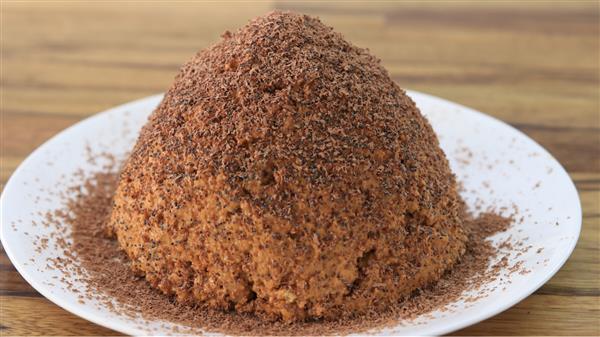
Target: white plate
521, 173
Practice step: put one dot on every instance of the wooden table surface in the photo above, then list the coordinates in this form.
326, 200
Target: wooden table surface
534, 65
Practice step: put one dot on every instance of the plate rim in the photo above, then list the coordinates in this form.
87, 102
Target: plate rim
131, 330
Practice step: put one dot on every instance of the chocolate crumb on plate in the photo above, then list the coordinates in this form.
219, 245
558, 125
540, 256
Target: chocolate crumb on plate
284, 186
105, 268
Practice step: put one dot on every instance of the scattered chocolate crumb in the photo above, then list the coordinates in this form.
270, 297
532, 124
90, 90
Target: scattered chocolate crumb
97, 260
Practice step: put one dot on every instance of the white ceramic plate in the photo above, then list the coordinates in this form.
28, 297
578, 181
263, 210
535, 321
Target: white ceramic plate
506, 168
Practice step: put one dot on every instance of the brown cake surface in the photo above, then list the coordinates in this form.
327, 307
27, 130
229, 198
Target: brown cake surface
286, 174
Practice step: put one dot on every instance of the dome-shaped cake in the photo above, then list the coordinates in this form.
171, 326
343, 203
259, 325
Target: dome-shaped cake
287, 175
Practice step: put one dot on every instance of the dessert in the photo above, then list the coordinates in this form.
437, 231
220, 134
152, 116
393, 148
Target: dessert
285, 174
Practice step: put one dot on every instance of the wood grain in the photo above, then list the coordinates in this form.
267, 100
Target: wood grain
534, 65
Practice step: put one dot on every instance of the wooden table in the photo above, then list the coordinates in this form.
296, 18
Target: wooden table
534, 65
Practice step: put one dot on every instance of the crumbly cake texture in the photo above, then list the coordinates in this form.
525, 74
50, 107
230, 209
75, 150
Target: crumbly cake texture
286, 175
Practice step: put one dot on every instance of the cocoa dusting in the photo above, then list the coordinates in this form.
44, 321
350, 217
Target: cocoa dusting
285, 185
106, 269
